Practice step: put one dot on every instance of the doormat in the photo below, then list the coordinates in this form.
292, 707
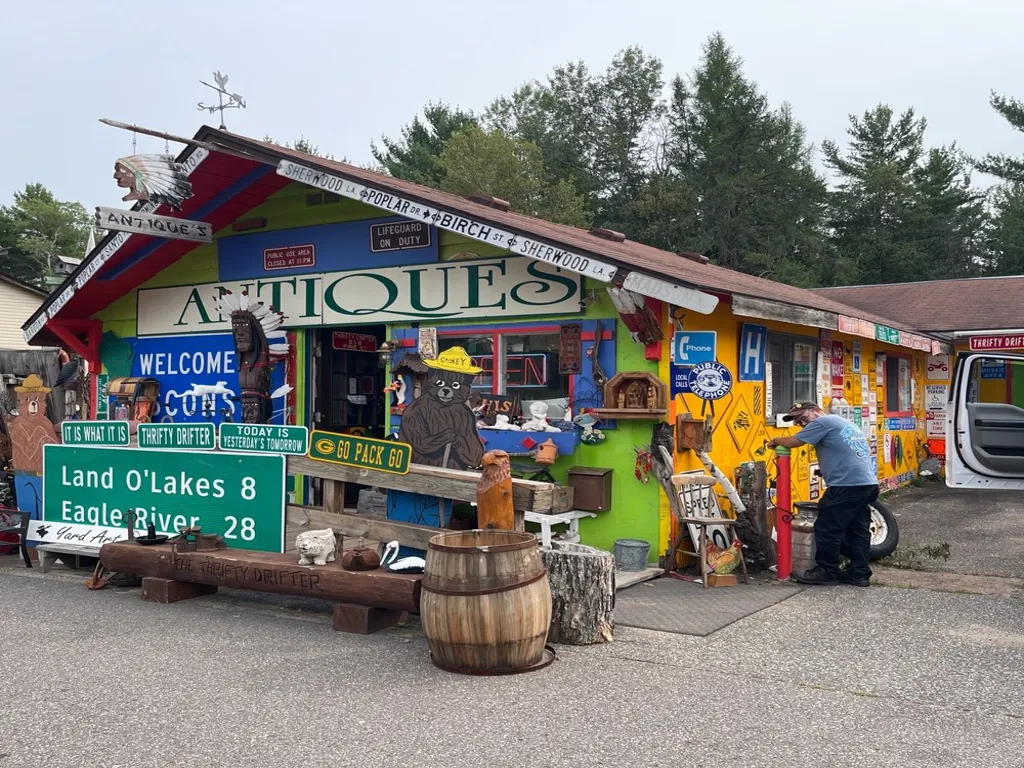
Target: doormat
686, 608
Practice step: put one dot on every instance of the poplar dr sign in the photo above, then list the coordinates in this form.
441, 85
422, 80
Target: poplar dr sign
86, 492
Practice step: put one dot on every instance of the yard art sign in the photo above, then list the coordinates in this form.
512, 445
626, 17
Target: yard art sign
362, 452
87, 491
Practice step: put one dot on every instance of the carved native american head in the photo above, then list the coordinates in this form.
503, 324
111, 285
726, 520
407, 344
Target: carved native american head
259, 344
153, 178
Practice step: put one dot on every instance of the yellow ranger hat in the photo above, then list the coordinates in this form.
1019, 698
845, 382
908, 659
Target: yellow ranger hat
455, 360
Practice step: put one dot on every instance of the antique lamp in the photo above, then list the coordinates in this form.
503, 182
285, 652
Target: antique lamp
387, 351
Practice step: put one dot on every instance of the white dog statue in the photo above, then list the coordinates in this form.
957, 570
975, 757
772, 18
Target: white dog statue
317, 547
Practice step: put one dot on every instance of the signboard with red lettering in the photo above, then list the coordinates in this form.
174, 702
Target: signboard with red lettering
354, 342
837, 364
1002, 341
289, 257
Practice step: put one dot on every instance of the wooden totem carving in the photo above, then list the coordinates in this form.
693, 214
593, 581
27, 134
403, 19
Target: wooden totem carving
259, 345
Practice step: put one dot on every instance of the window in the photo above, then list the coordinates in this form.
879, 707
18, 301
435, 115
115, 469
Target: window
526, 365
897, 385
793, 362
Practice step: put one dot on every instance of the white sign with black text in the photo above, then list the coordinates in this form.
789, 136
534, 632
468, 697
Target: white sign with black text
150, 224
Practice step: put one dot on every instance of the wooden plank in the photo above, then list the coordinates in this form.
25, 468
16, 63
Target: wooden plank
157, 590
527, 495
334, 496
299, 518
362, 619
267, 572
786, 313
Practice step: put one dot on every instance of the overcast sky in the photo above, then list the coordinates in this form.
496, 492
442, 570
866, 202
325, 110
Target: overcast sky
343, 73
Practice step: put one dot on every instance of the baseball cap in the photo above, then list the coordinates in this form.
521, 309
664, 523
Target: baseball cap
798, 409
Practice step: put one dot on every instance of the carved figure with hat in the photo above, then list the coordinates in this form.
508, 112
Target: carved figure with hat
30, 427
439, 424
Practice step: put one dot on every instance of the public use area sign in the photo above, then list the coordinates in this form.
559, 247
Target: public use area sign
86, 492
362, 452
94, 433
180, 437
263, 438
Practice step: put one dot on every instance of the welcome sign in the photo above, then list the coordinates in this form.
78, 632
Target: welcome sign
510, 287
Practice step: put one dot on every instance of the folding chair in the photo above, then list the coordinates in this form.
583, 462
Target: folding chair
696, 493
13, 521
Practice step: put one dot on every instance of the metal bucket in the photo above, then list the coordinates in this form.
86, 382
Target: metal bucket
631, 554
802, 529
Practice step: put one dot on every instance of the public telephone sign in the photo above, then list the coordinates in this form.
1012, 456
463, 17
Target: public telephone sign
361, 452
1002, 341
87, 491
110, 433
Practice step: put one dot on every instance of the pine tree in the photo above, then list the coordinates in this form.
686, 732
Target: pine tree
1007, 168
1005, 244
414, 156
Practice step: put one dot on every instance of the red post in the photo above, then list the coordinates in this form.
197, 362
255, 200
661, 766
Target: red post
783, 515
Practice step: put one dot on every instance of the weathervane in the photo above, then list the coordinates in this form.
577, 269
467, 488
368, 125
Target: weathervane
235, 101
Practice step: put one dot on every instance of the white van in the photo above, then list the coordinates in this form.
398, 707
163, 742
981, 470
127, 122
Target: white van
985, 434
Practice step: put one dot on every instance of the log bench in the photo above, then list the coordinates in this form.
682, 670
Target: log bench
364, 601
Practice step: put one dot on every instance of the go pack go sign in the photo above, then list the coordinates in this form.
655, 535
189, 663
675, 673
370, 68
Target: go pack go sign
361, 452
87, 491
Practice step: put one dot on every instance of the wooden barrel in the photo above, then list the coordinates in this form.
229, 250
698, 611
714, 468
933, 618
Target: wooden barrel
485, 602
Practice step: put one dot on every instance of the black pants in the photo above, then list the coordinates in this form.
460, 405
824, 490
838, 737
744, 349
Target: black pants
844, 527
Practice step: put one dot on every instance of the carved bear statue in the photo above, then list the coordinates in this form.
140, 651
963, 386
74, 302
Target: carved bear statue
439, 424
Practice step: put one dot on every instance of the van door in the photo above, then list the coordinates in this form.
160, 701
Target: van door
985, 422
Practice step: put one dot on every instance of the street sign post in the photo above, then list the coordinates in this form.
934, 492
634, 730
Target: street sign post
362, 452
98, 433
263, 438
88, 490
180, 437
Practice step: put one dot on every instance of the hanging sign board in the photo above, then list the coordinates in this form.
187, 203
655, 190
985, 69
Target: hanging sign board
677, 295
240, 497
1003, 341
362, 452
156, 226
289, 257
399, 236
453, 222
353, 342
94, 433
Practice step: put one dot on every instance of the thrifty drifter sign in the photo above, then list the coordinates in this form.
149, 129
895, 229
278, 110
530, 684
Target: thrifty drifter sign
486, 288
463, 225
87, 491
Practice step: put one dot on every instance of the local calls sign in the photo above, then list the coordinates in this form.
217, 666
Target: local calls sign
508, 287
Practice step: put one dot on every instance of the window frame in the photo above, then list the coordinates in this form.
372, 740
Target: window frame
779, 404
910, 385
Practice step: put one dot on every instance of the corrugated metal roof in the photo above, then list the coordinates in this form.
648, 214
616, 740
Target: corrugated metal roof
976, 304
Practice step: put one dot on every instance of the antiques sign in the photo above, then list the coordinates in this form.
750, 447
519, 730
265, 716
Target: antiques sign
150, 224
361, 452
508, 287
240, 497
289, 257
399, 235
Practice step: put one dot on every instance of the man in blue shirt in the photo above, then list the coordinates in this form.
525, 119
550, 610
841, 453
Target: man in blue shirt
844, 513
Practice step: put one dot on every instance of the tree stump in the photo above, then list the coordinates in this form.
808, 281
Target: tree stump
582, 583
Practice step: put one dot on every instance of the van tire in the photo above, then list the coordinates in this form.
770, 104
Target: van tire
885, 532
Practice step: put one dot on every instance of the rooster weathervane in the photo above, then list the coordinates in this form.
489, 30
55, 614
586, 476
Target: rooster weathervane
235, 101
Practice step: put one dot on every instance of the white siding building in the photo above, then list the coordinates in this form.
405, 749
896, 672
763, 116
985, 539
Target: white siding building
18, 301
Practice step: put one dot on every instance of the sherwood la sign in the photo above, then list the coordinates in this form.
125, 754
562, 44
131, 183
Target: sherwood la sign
508, 287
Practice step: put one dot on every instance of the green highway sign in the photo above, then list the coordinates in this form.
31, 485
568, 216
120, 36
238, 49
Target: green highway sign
102, 380
263, 438
238, 496
362, 452
180, 437
94, 433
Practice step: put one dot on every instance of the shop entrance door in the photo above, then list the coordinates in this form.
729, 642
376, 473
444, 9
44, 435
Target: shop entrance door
349, 383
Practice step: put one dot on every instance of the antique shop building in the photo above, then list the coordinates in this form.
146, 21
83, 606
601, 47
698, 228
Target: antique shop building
373, 279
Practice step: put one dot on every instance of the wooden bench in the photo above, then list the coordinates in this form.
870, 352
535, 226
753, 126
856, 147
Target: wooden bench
364, 601
50, 553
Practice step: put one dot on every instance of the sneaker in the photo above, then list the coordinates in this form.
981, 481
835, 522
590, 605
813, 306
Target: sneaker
855, 581
816, 577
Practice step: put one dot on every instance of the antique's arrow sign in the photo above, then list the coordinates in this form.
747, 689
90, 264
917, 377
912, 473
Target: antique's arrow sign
151, 224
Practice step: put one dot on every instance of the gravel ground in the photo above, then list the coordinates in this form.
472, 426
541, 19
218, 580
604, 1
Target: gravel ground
831, 677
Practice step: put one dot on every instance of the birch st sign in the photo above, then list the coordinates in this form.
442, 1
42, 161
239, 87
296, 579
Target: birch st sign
463, 225
150, 224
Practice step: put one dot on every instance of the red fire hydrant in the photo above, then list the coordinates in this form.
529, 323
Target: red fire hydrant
783, 516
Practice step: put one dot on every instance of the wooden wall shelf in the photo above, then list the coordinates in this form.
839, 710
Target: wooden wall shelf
634, 395
631, 413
